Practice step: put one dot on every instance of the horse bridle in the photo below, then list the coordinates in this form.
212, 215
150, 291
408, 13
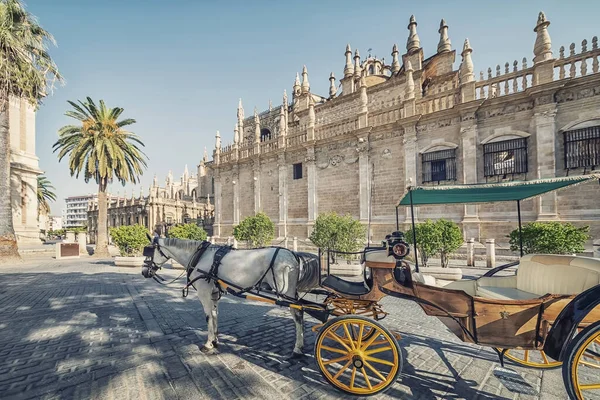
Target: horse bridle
150, 267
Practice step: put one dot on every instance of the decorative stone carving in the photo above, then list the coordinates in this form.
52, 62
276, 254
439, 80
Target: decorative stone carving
387, 153
542, 100
336, 160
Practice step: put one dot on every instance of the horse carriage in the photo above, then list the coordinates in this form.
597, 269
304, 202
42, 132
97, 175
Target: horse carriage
546, 315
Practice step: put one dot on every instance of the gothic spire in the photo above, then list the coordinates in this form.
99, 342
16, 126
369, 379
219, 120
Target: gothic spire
413, 43
395, 62
444, 43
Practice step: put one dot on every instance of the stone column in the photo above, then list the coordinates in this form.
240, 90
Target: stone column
468, 130
410, 161
311, 179
364, 177
545, 134
235, 181
218, 200
256, 171
283, 209
490, 250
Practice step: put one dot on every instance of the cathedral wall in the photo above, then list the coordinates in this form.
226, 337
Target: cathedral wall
226, 197
297, 189
269, 188
337, 178
246, 182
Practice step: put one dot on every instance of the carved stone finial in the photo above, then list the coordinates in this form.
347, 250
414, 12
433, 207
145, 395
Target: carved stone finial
236, 135
332, 88
413, 43
466, 66
542, 48
305, 84
311, 112
584, 46
155, 181
205, 157
218, 141
444, 44
348, 68
395, 61
410, 83
296, 85
270, 105
186, 172
285, 98
595, 43
256, 127
282, 123
240, 111
357, 68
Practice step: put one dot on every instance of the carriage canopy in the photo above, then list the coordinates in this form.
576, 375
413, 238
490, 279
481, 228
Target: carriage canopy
488, 193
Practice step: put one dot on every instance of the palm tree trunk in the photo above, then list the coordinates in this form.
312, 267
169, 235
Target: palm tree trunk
102, 237
8, 240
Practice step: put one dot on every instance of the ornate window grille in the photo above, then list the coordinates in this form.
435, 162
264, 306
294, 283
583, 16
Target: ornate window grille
582, 148
439, 166
503, 158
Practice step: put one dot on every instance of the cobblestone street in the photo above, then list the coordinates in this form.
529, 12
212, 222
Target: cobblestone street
85, 329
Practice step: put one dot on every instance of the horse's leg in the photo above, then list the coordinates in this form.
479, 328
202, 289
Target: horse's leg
298, 316
209, 303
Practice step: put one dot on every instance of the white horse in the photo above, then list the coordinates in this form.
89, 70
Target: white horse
290, 273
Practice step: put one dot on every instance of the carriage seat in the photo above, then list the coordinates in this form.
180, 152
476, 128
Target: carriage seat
343, 286
538, 275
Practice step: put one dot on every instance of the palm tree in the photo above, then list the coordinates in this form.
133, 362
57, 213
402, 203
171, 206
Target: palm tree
44, 194
26, 71
101, 150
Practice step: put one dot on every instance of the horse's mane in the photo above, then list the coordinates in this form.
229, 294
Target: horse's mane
182, 244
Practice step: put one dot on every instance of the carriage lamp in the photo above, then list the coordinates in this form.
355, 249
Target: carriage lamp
397, 245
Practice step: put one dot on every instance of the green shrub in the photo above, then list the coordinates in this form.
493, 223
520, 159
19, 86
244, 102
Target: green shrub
451, 240
550, 238
338, 232
257, 231
130, 239
77, 229
429, 239
188, 231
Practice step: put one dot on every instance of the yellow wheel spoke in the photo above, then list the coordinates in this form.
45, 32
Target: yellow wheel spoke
341, 371
341, 341
371, 340
544, 357
526, 355
378, 342
360, 334
352, 377
366, 378
334, 350
589, 364
590, 387
380, 361
334, 360
375, 371
378, 350
349, 337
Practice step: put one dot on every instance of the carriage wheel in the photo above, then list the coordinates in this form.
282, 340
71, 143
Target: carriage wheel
353, 365
342, 306
581, 368
531, 358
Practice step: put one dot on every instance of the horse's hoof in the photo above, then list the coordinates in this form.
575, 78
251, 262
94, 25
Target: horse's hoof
296, 356
207, 350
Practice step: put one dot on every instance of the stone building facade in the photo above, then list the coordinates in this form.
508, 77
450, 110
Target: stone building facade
186, 201
24, 169
418, 121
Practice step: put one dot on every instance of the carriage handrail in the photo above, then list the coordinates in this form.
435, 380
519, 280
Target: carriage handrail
499, 268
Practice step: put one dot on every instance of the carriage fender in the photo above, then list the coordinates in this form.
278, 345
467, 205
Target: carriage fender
566, 323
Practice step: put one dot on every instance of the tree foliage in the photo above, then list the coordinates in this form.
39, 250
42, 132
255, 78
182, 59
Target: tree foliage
130, 239
45, 193
188, 231
550, 238
338, 232
102, 150
440, 237
257, 231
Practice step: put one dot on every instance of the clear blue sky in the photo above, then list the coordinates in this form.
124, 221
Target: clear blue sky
178, 67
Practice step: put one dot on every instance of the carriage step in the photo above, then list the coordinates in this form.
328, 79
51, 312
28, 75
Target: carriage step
513, 381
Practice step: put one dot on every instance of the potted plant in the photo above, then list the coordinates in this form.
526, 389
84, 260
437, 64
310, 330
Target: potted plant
130, 239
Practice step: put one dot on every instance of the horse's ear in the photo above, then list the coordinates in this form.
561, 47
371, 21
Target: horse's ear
149, 237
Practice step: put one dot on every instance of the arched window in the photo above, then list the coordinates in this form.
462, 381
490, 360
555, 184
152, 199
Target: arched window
371, 72
582, 146
265, 134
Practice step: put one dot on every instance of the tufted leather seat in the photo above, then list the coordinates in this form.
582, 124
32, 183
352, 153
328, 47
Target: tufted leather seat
538, 275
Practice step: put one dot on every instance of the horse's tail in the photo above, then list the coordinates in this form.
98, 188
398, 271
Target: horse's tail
309, 271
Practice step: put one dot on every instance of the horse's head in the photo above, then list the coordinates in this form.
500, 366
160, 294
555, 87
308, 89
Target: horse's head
155, 258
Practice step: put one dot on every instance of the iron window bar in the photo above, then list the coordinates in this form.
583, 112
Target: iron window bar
439, 166
582, 148
507, 157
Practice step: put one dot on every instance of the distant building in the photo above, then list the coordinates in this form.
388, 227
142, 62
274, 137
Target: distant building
75, 212
186, 201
